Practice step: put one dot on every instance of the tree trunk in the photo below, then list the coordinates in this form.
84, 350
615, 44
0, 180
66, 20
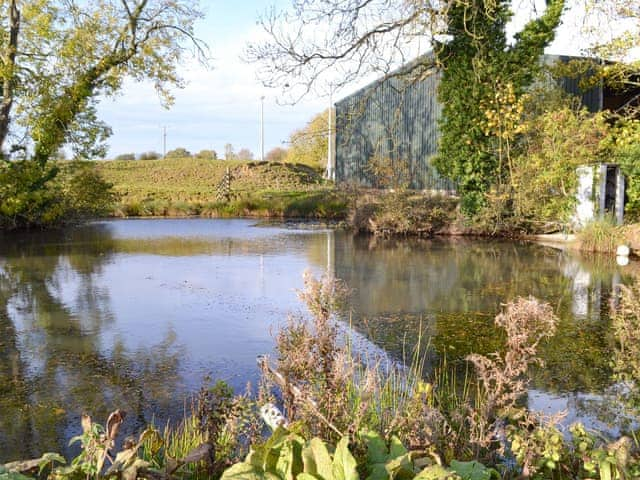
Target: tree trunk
9, 76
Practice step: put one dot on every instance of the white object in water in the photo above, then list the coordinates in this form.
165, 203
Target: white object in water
623, 251
622, 260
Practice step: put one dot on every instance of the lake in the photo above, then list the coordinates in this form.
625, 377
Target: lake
137, 314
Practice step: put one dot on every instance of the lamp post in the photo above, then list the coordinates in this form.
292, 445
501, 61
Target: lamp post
262, 128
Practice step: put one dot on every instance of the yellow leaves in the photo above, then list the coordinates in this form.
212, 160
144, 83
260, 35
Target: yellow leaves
503, 113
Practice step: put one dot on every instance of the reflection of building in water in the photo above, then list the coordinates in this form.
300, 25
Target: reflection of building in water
331, 250
590, 290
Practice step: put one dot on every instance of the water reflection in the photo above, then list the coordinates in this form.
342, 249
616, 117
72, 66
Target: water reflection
54, 365
452, 289
133, 314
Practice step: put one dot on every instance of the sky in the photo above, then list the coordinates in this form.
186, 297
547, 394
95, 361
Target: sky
222, 104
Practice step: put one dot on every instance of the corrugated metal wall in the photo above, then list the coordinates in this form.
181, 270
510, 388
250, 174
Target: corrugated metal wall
397, 119
592, 99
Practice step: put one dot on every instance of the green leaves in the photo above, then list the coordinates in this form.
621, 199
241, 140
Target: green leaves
344, 465
384, 461
7, 475
317, 460
286, 456
473, 71
474, 471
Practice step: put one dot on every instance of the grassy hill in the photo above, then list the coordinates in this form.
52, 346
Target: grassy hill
189, 186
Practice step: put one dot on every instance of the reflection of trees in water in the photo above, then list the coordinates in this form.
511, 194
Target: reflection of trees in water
52, 364
452, 289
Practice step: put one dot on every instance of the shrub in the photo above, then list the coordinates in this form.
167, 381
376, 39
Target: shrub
245, 155
628, 157
149, 156
32, 195
207, 155
88, 195
544, 175
126, 156
402, 213
28, 195
178, 153
276, 154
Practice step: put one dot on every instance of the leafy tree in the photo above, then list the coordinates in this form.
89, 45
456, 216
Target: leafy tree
544, 174
614, 28
149, 156
245, 154
309, 144
623, 146
276, 154
207, 155
126, 156
179, 152
477, 65
59, 56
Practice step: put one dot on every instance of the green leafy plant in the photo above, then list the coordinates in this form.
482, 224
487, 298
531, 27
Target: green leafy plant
287, 456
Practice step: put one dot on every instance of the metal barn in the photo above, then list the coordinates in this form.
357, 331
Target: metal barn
395, 119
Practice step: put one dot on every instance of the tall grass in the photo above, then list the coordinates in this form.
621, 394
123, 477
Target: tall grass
601, 235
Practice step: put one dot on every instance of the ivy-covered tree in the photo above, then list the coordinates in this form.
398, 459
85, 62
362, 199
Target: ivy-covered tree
478, 65
57, 57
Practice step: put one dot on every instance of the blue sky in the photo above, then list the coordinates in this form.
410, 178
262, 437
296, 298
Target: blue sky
216, 107
222, 105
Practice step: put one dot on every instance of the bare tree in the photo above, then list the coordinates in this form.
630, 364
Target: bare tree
339, 41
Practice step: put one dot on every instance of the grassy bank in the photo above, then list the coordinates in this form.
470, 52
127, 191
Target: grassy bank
184, 187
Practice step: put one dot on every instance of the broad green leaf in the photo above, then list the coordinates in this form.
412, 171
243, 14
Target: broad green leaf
473, 471
344, 465
50, 458
122, 461
377, 471
308, 476
255, 456
396, 449
317, 460
243, 471
289, 463
605, 471
400, 468
376, 447
434, 472
152, 440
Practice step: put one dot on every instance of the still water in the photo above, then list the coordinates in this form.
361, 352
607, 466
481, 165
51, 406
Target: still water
136, 314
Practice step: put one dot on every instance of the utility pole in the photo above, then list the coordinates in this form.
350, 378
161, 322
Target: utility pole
330, 173
164, 142
262, 128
